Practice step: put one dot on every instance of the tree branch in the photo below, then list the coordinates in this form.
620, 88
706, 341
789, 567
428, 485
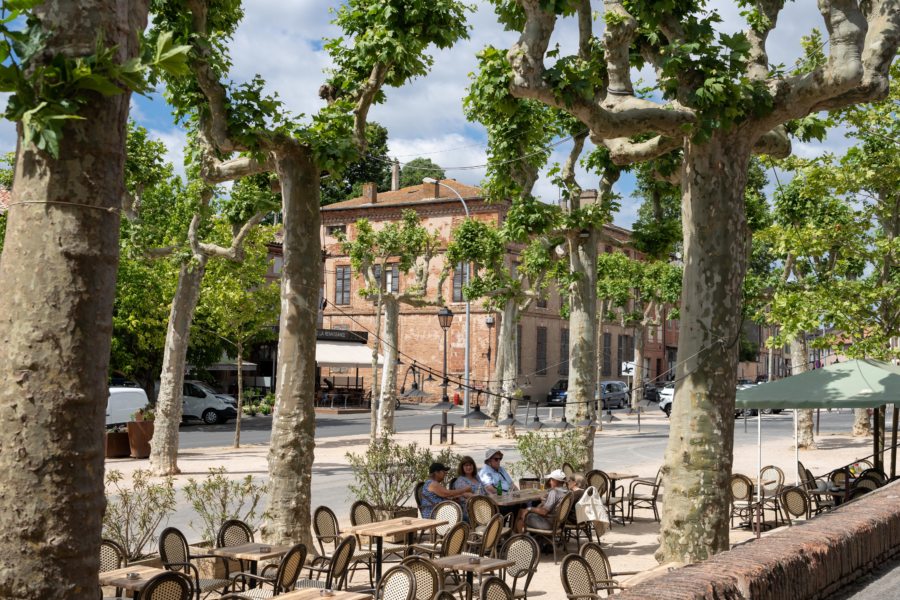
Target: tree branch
234, 252
758, 66
774, 143
568, 171
366, 98
216, 171
625, 152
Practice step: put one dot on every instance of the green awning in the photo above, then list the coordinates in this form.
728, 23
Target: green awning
852, 384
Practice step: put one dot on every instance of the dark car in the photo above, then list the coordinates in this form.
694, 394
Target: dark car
558, 393
615, 394
651, 393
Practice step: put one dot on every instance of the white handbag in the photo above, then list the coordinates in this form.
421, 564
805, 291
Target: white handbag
590, 508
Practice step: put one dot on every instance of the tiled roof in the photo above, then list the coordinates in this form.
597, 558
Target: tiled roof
415, 193
5, 199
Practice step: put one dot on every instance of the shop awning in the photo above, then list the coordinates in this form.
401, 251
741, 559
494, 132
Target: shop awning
852, 384
344, 355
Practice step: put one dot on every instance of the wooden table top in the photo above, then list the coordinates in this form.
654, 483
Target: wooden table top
395, 526
251, 551
522, 496
119, 579
315, 594
460, 562
613, 475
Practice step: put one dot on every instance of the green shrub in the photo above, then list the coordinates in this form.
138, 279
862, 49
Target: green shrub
387, 472
133, 513
217, 499
542, 452
265, 409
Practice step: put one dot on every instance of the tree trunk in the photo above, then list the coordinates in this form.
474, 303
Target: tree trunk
637, 378
57, 283
240, 395
506, 369
697, 467
164, 445
799, 364
862, 424
292, 449
580, 398
373, 402
387, 400
771, 374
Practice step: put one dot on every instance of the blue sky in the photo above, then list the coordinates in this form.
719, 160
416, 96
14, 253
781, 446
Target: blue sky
282, 41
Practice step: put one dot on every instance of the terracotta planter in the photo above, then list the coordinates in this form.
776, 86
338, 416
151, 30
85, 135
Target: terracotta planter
116, 444
139, 435
213, 568
396, 512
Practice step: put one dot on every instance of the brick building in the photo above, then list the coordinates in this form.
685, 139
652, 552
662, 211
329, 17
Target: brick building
542, 332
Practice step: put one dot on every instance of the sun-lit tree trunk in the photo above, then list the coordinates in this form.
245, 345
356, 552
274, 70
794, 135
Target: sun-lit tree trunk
388, 398
698, 458
800, 364
240, 394
164, 447
374, 401
862, 422
291, 452
580, 405
637, 378
57, 284
506, 369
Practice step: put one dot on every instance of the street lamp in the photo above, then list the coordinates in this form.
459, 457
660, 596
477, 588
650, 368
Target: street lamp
468, 304
445, 318
489, 321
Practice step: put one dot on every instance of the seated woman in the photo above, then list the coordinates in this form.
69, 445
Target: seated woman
434, 492
468, 477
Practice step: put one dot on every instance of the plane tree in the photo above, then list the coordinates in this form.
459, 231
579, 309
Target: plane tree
720, 100
242, 131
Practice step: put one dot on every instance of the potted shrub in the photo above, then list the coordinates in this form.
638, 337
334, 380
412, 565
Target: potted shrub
541, 452
387, 473
115, 444
135, 511
140, 432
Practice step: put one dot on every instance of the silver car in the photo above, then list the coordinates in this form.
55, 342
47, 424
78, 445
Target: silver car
614, 394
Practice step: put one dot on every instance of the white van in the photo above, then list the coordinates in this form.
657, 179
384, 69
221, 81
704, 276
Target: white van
123, 403
201, 402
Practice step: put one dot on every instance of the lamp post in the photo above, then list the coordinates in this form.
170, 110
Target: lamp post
489, 322
468, 304
445, 318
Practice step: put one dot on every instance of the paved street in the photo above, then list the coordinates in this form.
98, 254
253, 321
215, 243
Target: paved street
881, 585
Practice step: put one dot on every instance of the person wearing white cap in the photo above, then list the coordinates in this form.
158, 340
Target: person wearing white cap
542, 516
492, 475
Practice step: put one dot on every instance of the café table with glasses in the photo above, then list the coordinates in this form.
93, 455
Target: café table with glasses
471, 565
518, 497
133, 579
399, 526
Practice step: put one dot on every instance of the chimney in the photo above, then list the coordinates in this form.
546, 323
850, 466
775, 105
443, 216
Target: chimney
370, 192
588, 197
395, 175
431, 188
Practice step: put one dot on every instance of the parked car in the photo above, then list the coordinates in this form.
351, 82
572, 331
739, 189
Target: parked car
666, 395
202, 402
651, 392
558, 393
123, 402
614, 394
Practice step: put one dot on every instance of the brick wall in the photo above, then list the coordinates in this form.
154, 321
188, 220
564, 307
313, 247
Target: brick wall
810, 561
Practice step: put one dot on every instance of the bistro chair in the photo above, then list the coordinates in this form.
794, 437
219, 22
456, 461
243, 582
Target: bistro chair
453, 544
771, 490
603, 577
449, 511
868, 482
820, 500
486, 545
741, 492
397, 584
234, 532
363, 513
480, 509
567, 469
445, 595
494, 588
176, 556
612, 499
577, 577
429, 580
112, 557
795, 504
168, 586
417, 494
644, 500
524, 551
877, 473
328, 536
338, 567
286, 574
556, 528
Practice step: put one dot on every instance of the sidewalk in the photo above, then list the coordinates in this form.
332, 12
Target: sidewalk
629, 547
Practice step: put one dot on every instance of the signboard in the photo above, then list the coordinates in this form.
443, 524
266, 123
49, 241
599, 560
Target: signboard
627, 368
342, 335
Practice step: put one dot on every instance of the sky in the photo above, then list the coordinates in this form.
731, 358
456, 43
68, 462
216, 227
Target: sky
282, 41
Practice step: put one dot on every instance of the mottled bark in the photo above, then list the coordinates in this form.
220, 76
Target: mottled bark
388, 397
164, 446
580, 404
799, 364
695, 516
637, 378
240, 395
862, 422
506, 367
373, 403
292, 449
57, 284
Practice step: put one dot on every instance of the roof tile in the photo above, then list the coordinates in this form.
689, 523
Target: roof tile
415, 193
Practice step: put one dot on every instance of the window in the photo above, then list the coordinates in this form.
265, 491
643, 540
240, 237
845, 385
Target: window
277, 264
519, 349
334, 230
392, 286
606, 368
563, 351
542, 303
459, 273
342, 285
540, 362
625, 352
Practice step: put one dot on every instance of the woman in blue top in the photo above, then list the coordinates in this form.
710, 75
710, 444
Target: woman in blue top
468, 477
434, 492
